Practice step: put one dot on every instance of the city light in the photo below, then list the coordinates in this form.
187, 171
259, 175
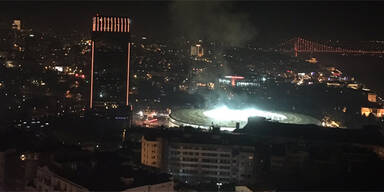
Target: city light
202, 103
263, 79
223, 113
23, 157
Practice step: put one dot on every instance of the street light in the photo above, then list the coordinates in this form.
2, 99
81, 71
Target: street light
218, 186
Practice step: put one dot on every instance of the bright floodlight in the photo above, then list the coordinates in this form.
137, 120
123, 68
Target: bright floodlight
225, 114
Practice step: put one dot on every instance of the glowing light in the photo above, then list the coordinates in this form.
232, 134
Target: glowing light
152, 121
223, 113
263, 79
59, 68
234, 77
92, 63
23, 157
128, 65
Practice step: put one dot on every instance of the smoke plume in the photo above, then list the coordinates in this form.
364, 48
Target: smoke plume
215, 21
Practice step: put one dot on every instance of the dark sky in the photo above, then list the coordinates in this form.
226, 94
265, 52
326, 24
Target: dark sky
273, 20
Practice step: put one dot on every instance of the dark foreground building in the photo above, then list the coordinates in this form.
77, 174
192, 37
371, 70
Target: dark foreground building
270, 155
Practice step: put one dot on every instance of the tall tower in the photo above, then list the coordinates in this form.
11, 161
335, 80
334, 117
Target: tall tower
110, 62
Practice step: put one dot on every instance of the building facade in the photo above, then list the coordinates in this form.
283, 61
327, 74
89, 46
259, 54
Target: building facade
47, 180
197, 162
152, 152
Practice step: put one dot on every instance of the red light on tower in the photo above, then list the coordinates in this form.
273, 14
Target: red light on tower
234, 79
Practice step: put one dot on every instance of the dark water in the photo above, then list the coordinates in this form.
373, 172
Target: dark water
368, 70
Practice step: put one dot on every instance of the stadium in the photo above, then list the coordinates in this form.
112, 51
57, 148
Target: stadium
227, 119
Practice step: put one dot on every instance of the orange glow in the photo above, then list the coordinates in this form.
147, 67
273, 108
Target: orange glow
101, 24
233, 82
121, 24
93, 24
105, 24
111, 24
380, 113
128, 63
129, 59
118, 24
126, 25
366, 111
372, 97
92, 62
108, 24
97, 23
152, 120
234, 77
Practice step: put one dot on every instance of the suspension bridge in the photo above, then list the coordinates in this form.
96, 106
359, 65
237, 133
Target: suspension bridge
299, 45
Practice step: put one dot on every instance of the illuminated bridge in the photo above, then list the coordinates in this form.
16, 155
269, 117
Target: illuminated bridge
299, 45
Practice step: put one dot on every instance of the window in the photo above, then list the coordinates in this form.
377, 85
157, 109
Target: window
225, 161
209, 166
224, 167
209, 160
225, 155
209, 154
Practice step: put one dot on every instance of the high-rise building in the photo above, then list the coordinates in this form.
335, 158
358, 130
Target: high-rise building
109, 79
197, 50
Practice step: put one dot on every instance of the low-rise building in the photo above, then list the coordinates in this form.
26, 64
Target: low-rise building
199, 162
200, 157
47, 180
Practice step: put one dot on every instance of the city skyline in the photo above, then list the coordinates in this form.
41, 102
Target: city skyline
191, 96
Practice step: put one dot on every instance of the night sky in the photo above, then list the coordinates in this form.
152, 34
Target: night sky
265, 20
